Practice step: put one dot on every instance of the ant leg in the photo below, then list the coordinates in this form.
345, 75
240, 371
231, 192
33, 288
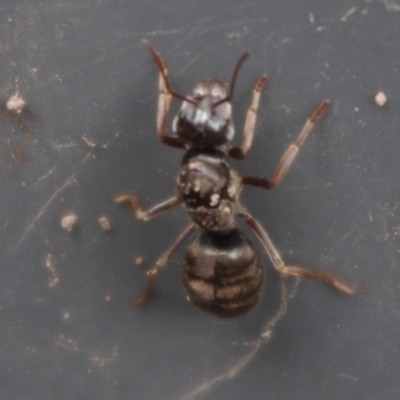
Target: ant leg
250, 122
137, 210
290, 154
286, 270
164, 100
153, 273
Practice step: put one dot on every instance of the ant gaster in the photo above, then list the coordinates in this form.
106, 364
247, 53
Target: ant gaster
222, 272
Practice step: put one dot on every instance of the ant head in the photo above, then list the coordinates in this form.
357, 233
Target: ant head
205, 117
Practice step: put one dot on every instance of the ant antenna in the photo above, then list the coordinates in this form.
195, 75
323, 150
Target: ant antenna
163, 70
233, 80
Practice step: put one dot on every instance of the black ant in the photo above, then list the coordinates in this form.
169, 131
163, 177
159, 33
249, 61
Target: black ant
222, 272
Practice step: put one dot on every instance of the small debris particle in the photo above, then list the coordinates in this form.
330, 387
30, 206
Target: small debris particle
107, 298
66, 316
139, 260
68, 222
15, 103
348, 14
380, 99
104, 223
54, 280
88, 142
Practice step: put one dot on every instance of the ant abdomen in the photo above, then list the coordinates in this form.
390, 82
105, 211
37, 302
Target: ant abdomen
222, 273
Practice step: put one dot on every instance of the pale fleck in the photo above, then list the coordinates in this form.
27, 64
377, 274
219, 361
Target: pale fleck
68, 222
196, 185
89, 142
215, 197
139, 260
54, 280
346, 16
381, 99
104, 223
15, 103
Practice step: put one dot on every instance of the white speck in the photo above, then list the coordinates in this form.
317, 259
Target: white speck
54, 280
68, 222
104, 223
66, 316
196, 185
347, 15
226, 210
380, 99
15, 103
267, 334
214, 199
195, 166
231, 191
139, 260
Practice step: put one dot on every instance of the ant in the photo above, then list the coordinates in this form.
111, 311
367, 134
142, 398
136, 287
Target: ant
222, 272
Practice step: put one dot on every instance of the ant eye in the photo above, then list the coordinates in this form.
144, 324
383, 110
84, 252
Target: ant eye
218, 91
199, 91
197, 96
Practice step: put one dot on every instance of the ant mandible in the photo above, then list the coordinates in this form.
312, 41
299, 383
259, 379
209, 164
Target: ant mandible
222, 272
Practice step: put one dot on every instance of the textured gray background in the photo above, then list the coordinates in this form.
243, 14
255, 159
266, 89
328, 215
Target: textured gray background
67, 326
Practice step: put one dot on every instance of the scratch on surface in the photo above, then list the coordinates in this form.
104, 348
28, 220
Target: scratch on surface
346, 16
205, 26
162, 32
231, 373
352, 378
98, 359
66, 183
262, 341
55, 279
343, 182
59, 147
48, 173
194, 59
115, 136
391, 6
88, 142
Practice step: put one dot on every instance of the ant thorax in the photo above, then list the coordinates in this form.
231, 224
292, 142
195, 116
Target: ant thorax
209, 189
205, 118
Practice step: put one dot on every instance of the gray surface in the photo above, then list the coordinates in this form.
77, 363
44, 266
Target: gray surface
82, 69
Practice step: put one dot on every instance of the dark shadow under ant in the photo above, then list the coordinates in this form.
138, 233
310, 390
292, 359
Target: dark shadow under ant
222, 271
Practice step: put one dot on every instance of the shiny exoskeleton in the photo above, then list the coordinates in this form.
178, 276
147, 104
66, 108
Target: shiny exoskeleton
222, 272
